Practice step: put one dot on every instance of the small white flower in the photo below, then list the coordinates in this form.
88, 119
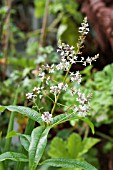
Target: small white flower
82, 114
60, 85
29, 95
59, 66
65, 87
72, 48
89, 60
51, 69
63, 60
84, 29
75, 57
82, 58
54, 89
40, 96
47, 117
72, 61
42, 75
36, 88
83, 108
47, 80
75, 109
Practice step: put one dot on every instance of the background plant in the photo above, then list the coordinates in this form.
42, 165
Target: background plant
36, 143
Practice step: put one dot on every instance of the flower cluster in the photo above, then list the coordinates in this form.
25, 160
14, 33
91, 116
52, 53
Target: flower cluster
76, 77
83, 103
68, 56
89, 59
57, 89
47, 117
52, 86
84, 29
33, 95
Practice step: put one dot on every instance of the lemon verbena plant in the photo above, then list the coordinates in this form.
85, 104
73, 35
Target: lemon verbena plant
51, 89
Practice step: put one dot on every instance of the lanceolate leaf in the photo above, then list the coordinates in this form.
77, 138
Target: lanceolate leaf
13, 156
69, 163
25, 141
37, 145
2, 108
63, 118
26, 111
89, 123
12, 133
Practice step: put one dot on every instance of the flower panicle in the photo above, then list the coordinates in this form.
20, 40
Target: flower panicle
47, 72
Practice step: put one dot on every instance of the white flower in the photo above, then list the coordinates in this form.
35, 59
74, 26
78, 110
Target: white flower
83, 108
29, 95
59, 66
84, 29
53, 89
76, 77
63, 60
75, 57
82, 114
72, 61
36, 88
47, 117
47, 80
65, 87
75, 109
72, 48
89, 60
60, 85
51, 69
40, 96
42, 75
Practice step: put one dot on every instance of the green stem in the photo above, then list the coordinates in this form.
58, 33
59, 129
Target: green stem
28, 130
104, 136
44, 24
55, 103
2, 166
10, 127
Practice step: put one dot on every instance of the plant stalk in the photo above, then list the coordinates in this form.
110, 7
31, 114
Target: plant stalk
7, 34
55, 103
28, 130
10, 127
104, 136
44, 24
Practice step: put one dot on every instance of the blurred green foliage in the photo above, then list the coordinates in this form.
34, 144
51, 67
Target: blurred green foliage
101, 85
74, 147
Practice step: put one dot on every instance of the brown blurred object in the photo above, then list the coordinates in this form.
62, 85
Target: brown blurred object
100, 16
2, 61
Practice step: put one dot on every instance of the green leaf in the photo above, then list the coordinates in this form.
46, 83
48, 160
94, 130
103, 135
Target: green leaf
39, 7
25, 141
63, 118
12, 133
68, 163
37, 145
89, 123
62, 28
74, 145
58, 148
2, 108
13, 156
87, 144
26, 111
